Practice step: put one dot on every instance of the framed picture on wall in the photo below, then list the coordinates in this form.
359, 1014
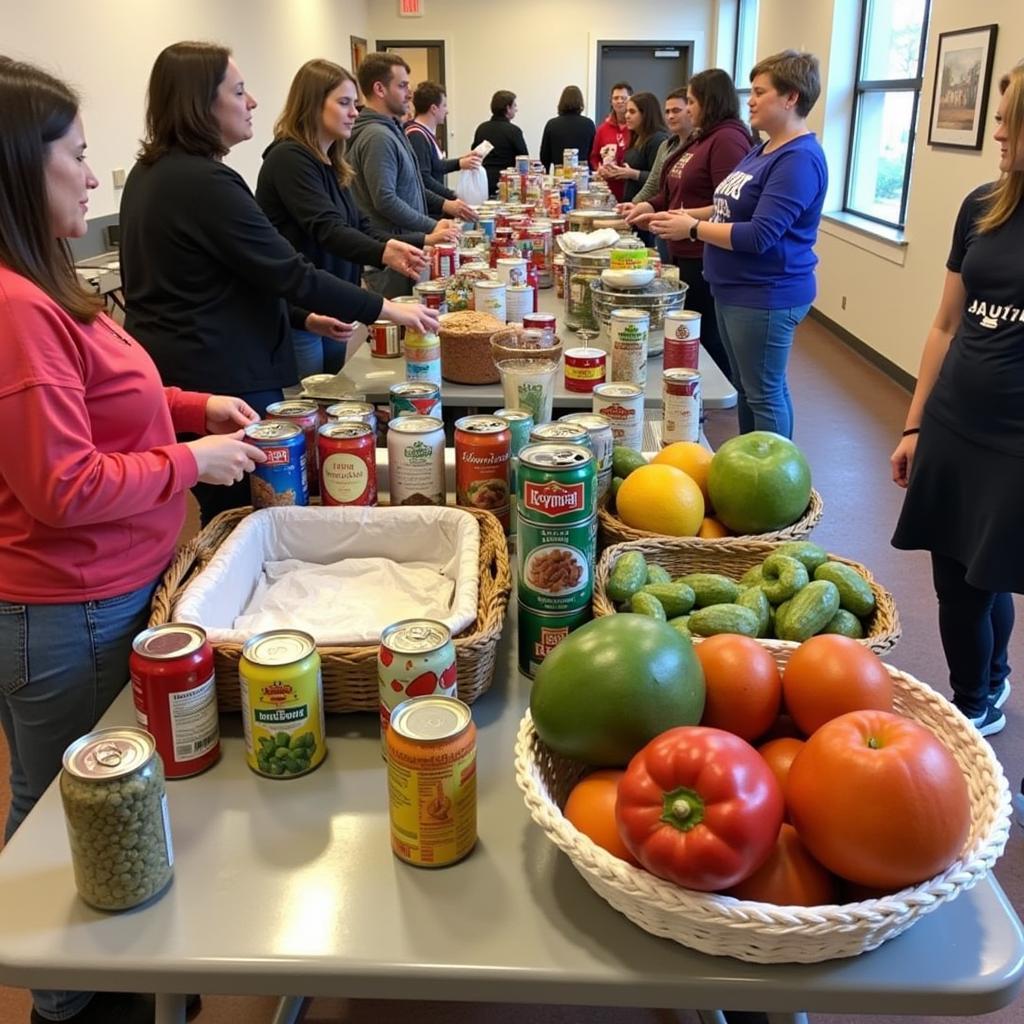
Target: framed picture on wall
359, 47
963, 74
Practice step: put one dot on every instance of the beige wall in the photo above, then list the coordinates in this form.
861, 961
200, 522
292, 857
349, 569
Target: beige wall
891, 293
534, 48
107, 51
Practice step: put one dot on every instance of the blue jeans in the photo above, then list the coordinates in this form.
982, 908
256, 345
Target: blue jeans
316, 354
60, 667
757, 342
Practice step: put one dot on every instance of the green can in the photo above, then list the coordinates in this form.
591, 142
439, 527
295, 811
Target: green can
556, 535
540, 633
520, 423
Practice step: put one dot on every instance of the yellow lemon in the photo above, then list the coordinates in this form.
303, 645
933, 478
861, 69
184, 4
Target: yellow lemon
661, 499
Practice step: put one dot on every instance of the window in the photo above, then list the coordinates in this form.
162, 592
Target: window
745, 53
887, 94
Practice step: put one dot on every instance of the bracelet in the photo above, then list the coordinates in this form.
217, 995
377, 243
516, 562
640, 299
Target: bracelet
911, 430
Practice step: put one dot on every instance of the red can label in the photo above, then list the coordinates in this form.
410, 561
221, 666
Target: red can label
444, 260
175, 696
482, 451
554, 499
348, 464
584, 368
385, 340
682, 402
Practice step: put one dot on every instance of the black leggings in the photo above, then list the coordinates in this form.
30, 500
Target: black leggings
975, 627
699, 299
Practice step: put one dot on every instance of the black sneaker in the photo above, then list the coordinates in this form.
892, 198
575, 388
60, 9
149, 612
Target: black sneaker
999, 696
991, 721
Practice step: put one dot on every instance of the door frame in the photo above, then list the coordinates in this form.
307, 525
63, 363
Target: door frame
383, 44
687, 46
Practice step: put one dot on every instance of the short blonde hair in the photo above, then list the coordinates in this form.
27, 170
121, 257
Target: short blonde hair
793, 71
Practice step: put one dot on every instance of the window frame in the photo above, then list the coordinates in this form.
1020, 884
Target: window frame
743, 8
864, 86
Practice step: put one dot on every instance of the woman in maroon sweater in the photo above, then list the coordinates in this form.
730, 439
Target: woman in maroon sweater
689, 178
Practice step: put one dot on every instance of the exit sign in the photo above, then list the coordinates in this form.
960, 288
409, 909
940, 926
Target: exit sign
410, 8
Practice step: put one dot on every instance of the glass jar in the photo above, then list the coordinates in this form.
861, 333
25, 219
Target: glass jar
580, 270
115, 809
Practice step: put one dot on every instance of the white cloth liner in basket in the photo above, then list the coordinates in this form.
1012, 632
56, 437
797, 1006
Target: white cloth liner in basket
442, 540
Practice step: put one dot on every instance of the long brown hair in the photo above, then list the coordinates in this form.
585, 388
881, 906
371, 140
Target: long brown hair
179, 103
300, 121
36, 110
1008, 191
651, 119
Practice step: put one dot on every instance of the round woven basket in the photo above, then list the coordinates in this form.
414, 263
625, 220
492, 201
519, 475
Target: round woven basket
612, 530
732, 557
762, 932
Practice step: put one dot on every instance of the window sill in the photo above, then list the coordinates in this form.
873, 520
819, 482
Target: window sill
887, 243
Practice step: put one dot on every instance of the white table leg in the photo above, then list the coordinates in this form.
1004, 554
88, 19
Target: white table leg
170, 1008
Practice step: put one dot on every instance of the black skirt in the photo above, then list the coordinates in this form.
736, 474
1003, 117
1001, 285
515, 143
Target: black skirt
966, 502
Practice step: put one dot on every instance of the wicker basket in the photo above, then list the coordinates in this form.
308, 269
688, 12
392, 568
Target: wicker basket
612, 530
763, 932
733, 557
350, 673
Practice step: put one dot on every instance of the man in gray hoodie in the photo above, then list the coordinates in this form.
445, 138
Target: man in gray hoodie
388, 186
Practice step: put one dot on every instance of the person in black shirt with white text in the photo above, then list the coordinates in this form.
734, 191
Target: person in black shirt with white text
961, 456
430, 108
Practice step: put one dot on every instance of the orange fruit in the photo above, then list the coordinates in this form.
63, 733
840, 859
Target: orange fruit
661, 499
591, 808
692, 458
710, 528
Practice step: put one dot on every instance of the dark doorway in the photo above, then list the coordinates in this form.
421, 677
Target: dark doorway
655, 67
426, 58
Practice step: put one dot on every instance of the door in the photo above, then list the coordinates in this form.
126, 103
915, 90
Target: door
656, 67
426, 63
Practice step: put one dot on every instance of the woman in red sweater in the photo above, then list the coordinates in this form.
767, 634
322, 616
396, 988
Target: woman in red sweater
92, 482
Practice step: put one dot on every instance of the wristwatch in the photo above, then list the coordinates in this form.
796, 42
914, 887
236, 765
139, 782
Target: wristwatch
693, 231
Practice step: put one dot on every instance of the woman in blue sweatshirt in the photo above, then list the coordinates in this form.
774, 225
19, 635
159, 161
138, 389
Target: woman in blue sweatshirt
759, 236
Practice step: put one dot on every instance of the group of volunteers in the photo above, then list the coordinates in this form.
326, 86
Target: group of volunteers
232, 296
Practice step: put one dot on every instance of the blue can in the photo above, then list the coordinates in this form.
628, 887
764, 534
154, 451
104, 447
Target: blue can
487, 225
281, 480
568, 191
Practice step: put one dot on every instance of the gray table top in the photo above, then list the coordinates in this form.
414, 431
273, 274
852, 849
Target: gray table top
290, 887
364, 375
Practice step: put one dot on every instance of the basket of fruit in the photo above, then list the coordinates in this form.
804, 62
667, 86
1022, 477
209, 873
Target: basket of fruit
756, 486
797, 850
780, 593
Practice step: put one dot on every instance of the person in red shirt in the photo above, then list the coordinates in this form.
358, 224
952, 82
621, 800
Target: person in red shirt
613, 138
93, 484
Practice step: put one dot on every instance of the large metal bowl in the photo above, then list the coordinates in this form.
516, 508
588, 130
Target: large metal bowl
656, 298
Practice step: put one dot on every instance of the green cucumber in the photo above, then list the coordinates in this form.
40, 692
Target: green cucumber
625, 460
676, 598
614, 490
854, 591
723, 618
783, 577
627, 577
681, 624
753, 576
754, 598
809, 612
811, 555
657, 574
710, 588
647, 604
845, 624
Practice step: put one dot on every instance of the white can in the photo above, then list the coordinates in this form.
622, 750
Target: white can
511, 269
681, 404
416, 460
490, 297
518, 302
623, 405
628, 331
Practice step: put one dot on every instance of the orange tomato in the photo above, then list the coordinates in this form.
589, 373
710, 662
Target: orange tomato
591, 808
712, 528
783, 726
790, 877
829, 675
742, 685
780, 755
878, 799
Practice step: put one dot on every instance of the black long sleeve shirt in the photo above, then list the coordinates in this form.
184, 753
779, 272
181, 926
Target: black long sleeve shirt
567, 131
206, 277
432, 167
508, 142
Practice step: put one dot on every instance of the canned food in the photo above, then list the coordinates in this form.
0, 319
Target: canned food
629, 254
520, 423
281, 480
682, 339
519, 302
570, 158
282, 703
112, 789
444, 260
348, 463
361, 412
511, 269
432, 294
682, 402
431, 745
629, 330
522, 165
416, 658
539, 633
416, 460
487, 225
559, 433
601, 442
482, 450
385, 339
307, 415
540, 322
415, 398
568, 193
623, 404
423, 357
489, 297
175, 695
558, 273
584, 368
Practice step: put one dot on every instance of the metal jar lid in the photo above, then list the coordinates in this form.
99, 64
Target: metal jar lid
431, 719
514, 414
292, 407
414, 388
415, 636
623, 391
171, 640
109, 754
592, 422
480, 424
338, 409
555, 456
272, 431
415, 424
574, 433
278, 647
345, 429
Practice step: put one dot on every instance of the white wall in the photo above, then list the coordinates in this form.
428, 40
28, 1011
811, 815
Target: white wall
534, 48
891, 293
107, 49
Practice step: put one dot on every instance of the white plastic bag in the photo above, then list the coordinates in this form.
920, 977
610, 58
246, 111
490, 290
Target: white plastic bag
472, 186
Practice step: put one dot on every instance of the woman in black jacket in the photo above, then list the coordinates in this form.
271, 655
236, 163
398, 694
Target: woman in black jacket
303, 189
570, 130
210, 284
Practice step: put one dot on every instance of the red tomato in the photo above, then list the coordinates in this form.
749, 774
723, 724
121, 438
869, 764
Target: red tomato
780, 755
591, 808
829, 675
790, 877
699, 807
743, 688
879, 800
